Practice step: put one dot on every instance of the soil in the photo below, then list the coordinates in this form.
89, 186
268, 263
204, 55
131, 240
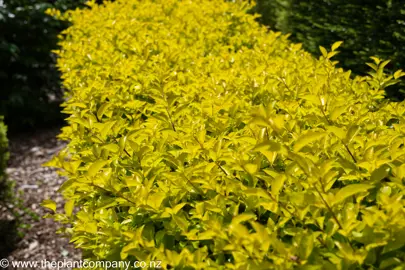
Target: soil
34, 183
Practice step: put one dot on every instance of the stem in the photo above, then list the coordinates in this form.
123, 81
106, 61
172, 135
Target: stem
167, 108
119, 194
194, 186
348, 150
329, 208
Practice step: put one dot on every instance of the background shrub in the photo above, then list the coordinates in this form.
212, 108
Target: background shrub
31, 91
12, 228
6, 227
4, 155
368, 28
202, 140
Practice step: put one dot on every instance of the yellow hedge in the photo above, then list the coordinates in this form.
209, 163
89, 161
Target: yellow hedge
200, 139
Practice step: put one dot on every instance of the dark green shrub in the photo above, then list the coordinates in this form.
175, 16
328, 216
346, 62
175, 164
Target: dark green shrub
368, 28
8, 228
4, 154
12, 230
30, 84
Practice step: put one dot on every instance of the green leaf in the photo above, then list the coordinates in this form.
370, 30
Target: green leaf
350, 190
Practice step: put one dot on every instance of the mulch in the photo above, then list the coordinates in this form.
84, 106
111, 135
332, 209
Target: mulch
33, 184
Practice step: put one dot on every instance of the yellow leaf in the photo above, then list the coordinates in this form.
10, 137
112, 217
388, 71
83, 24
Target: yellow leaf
277, 122
251, 168
398, 74
324, 51
91, 227
156, 199
107, 128
277, 184
49, 204
336, 45
178, 207
69, 206
350, 190
103, 108
111, 147
331, 54
96, 167
338, 112
242, 218
351, 133
338, 132
308, 138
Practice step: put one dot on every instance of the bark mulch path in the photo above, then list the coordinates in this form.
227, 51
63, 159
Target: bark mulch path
36, 183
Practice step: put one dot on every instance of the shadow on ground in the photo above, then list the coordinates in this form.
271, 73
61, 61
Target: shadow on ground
9, 237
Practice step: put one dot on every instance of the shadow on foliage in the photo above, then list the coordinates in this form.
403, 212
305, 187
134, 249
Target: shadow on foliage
368, 28
30, 83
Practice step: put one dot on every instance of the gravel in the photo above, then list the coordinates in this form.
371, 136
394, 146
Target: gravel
35, 183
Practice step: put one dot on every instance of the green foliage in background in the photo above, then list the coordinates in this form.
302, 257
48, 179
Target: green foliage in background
30, 84
202, 140
4, 155
10, 230
368, 28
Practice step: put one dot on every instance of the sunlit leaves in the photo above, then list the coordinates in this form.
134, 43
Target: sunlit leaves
308, 138
349, 191
96, 166
49, 204
200, 139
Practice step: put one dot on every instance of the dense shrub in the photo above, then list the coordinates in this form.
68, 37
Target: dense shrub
368, 28
30, 85
200, 139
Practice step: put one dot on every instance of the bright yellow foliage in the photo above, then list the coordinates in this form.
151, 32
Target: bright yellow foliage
201, 139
